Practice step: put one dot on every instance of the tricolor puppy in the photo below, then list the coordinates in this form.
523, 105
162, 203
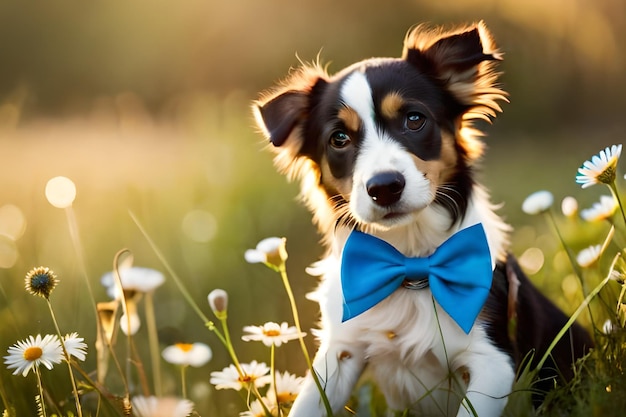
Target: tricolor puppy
417, 285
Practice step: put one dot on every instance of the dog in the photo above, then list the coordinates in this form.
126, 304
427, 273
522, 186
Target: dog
389, 147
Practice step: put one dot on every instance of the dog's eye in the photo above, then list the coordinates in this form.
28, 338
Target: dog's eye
339, 139
414, 121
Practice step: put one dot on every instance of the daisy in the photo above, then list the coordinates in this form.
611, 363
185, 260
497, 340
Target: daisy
41, 281
600, 169
75, 346
288, 387
588, 256
253, 373
134, 279
271, 333
271, 251
602, 210
185, 354
161, 407
256, 409
32, 352
538, 202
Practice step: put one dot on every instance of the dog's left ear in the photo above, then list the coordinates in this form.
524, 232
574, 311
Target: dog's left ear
463, 61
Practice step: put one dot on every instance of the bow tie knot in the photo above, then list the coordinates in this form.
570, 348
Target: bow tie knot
459, 274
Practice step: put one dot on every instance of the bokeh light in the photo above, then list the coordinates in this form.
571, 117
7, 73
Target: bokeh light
532, 260
199, 226
8, 252
12, 221
60, 192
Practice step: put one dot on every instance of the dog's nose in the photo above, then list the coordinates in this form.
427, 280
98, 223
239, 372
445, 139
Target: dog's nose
386, 188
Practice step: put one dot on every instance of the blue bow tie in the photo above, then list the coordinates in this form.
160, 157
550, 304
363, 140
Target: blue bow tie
459, 274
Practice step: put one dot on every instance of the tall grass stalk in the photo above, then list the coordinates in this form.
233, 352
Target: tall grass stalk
296, 318
153, 343
68, 359
576, 313
80, 256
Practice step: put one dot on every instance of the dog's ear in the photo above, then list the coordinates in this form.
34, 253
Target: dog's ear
281, 114
463, 61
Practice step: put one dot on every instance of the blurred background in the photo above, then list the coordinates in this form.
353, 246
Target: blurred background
145, 105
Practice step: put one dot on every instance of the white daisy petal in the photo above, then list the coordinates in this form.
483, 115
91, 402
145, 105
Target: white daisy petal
254, 256
75, 346
161, 407
133, 278
600, 211
589, 256
253, 373
270, 251
32, 352
271, 333
538, 202
193, 354
601, 167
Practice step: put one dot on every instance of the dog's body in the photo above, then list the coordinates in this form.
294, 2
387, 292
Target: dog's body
386, 146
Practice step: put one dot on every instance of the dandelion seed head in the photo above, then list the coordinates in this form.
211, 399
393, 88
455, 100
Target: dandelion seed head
41, 281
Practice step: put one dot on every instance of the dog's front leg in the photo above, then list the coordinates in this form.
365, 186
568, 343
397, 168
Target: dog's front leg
491, 376
338, 367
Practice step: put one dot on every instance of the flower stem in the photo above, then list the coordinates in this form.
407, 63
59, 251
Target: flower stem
183, 378
575, 315
615, 193
273, 376
78, 248
296, 318
153, 342
229, 344
68, 359
42, 403
572, 261
170, 270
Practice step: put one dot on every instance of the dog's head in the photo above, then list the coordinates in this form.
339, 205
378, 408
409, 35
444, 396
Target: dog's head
384, 139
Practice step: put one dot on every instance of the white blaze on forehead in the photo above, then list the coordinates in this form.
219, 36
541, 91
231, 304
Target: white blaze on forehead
356, 93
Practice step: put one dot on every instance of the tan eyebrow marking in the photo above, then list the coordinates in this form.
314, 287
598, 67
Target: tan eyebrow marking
350, 118
391, 105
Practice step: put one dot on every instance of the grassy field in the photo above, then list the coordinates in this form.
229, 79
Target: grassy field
205, 191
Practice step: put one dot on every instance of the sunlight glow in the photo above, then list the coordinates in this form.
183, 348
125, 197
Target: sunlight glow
60, 192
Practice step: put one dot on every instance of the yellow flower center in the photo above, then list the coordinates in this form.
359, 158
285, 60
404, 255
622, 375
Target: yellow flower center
608, 175
246, 379
185, 347
286, 397
271, 332
33, 353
